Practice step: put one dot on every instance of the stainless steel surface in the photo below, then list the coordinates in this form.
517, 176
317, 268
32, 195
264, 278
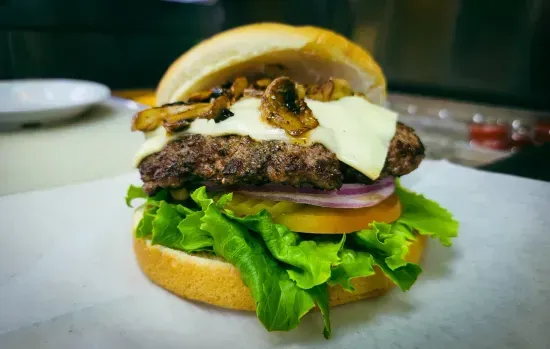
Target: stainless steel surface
443, 126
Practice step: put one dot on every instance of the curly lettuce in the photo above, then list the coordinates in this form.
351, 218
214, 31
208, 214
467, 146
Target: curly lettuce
280, 302
289, 273
426, 216
312, 260
353, 264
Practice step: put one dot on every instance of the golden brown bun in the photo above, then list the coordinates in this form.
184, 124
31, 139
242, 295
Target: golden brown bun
311, 54
211, 280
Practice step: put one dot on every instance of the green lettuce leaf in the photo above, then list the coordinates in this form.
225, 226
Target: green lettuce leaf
134, 192
280, 303
145, 225
383, 239
404, 276
321, 297
353, 264
311, 260
204, 201
165, 225
426, 216
389, 245
193, 238
177, 227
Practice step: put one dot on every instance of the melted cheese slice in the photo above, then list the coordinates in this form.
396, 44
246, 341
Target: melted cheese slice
358, 132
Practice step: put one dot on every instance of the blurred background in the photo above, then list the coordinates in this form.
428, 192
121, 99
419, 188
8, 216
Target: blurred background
471, 76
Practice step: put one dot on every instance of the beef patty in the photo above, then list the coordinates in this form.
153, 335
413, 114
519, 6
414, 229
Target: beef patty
230, 160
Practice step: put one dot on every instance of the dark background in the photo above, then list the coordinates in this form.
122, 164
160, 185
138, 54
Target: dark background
490, 51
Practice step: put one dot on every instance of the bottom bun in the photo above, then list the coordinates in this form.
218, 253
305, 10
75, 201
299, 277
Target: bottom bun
206, 278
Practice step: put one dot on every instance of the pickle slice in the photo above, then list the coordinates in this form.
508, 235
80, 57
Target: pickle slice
244, 205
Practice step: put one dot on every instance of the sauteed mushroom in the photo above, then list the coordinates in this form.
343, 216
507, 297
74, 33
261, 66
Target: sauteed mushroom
331, 90
178, 116
282, 107
150, 119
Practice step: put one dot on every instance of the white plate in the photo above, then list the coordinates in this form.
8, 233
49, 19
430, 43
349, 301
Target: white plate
46, 100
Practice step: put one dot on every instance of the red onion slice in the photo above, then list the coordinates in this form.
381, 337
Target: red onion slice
349, 196
346, 189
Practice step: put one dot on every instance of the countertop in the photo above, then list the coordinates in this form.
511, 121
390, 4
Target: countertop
97, 144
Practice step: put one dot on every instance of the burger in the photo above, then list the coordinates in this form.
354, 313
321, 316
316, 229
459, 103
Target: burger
270, 171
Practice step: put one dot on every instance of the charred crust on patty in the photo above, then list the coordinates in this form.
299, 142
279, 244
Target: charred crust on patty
405, 152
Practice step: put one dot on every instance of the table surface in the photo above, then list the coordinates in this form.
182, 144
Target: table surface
97, 144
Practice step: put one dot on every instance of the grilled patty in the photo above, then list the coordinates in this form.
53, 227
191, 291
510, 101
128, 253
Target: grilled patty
235, 159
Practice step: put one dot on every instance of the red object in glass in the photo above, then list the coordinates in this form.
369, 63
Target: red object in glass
493, 136
542, 132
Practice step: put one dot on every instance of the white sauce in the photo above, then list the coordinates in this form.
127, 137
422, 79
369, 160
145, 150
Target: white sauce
358, 132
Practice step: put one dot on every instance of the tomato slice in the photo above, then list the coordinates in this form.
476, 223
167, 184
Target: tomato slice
314, 219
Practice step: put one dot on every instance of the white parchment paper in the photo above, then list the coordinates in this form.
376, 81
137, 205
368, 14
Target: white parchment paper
97, 144
68, 278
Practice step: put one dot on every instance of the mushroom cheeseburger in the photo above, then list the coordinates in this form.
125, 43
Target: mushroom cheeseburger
270, 177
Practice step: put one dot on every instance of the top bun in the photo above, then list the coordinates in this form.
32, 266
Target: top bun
308, 54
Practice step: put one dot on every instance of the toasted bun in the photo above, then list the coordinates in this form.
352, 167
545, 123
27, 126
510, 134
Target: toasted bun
209, 279
309, 54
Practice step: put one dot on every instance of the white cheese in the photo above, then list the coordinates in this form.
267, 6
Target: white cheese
358, 132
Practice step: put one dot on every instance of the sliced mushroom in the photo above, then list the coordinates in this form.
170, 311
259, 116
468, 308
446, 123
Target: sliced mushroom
178, 116
206, 96
282, 107
330, 90
238, 87
301, 90
232, 90
201, 96
341, 89
150, 119
263, 83
257, 88
146, 120
252, 92
179, 122
216, 110
226, 113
